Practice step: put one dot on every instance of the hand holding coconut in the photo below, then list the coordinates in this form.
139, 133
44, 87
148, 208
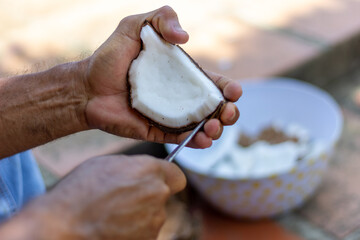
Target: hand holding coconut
93, 93
107, 78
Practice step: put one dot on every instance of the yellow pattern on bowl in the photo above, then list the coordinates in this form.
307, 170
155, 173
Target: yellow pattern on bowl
257, 198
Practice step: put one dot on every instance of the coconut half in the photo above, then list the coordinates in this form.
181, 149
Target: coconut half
168, 87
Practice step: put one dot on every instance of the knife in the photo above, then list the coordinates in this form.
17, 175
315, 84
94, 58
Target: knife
173, 154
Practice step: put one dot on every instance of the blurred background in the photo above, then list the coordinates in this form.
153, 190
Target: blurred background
317, 41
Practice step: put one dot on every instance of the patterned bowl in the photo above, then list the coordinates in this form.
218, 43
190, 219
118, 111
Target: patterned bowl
263, 102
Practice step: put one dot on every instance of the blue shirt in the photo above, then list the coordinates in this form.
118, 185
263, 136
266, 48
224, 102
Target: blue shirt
20, 181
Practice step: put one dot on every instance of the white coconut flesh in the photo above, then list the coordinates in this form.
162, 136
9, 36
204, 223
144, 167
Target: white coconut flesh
168, 87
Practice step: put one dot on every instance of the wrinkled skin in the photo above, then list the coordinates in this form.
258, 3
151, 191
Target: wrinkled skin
110, 197
106, 83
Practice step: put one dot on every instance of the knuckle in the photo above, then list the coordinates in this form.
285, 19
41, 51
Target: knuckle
160, 191
164, 191
167, 11
151, 173
148, 172
154, 167
147, 162
128, 19
219, 133
221, 81
100, 162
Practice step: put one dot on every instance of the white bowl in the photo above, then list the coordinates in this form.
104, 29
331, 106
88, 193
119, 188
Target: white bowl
263, 102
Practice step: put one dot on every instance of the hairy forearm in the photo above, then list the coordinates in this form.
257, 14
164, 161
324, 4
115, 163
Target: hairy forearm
40, 107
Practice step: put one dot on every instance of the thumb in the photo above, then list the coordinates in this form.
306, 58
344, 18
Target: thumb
173, 176
164, 20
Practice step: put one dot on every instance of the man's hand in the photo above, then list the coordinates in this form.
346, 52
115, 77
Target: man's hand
108, 107
111, 197
40, 107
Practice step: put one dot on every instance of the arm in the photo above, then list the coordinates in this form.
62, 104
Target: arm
109, 197
92, 93
112, 197
40, 107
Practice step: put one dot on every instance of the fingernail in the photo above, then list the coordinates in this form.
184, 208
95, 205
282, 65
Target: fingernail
177, 28
218, 131
233, 115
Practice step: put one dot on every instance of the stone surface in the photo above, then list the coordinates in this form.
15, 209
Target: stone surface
331, 65
302, 227
257, 53
218, 39
331, 22
336, 206
320, 22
